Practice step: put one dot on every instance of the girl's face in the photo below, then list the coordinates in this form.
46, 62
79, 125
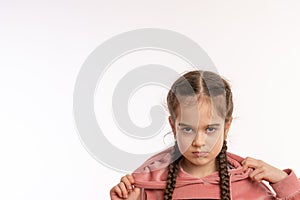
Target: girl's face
199, 132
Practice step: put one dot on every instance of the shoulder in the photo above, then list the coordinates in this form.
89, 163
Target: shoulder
156, 162
153, 172
234, 160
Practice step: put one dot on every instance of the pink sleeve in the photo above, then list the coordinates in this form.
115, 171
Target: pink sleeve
288, 188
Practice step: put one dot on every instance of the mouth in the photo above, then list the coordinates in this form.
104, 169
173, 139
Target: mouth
200, 153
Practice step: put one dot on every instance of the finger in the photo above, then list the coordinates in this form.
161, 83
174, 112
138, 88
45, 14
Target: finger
257, 174
130, 178
246, 163
252, 163
259, 177
116, 190
127, 183
123, 189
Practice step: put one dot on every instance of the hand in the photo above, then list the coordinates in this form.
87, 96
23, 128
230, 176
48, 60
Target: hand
263, 171
125, 189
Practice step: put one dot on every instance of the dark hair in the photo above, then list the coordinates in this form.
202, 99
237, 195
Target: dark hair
201, 84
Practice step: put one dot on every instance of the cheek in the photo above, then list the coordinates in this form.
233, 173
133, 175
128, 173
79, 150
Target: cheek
214, 140
218, 145
184, 143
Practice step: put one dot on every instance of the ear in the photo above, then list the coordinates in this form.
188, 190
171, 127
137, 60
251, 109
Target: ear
172, 124
227, 127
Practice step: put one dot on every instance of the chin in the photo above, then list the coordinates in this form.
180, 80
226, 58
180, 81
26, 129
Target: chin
199, 161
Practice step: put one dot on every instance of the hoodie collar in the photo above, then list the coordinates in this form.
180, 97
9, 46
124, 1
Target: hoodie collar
152, 174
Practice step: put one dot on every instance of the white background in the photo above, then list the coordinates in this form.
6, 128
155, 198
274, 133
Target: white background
254, 44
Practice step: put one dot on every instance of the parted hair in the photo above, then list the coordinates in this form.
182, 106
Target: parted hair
208, 85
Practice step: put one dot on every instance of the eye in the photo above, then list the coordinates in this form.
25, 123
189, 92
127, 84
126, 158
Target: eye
187, 130
210, 130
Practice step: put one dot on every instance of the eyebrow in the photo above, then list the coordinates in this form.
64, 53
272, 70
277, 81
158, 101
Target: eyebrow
183, 124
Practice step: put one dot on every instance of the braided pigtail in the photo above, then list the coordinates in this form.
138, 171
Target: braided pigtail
223, 173
172, 173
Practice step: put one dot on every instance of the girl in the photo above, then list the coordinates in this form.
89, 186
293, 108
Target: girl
198, 165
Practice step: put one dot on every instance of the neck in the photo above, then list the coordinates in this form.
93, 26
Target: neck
199, 170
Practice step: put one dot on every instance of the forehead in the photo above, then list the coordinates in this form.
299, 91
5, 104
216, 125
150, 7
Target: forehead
195, 111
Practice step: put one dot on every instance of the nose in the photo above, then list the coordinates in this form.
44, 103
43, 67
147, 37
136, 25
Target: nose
199, 140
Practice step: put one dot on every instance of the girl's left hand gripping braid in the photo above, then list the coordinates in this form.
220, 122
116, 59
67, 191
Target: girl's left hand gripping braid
125, 189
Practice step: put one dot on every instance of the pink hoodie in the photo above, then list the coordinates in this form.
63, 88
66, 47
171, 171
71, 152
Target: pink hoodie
151, 177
